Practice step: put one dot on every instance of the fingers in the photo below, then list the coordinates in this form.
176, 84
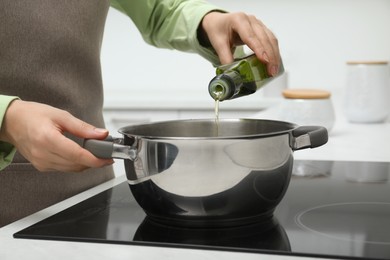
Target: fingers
271, 53
67, 154
219, 35
74, 157
260, 39
252, 34
228, 30
61, 153
79, 128
224, 53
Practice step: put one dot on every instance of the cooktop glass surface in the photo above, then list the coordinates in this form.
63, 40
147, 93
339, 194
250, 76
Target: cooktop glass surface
331, 209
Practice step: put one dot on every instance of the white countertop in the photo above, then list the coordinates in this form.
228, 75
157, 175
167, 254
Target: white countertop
347, 141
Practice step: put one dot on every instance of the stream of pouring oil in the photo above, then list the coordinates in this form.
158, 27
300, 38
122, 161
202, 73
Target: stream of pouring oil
216, 111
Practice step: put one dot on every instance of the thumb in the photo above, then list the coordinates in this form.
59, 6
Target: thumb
80, 128
224, 53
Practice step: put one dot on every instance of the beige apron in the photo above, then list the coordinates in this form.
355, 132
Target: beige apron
50, 53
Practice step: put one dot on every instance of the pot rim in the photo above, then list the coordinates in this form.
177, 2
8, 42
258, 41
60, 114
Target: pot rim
126, 130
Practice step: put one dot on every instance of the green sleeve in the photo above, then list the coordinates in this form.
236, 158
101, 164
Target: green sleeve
170, 24
7, 151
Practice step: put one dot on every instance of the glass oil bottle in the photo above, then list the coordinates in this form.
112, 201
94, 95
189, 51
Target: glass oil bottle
242, 77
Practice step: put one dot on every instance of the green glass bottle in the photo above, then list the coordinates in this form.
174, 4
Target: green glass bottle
242, 77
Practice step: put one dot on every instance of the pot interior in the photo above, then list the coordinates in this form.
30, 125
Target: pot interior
209, 128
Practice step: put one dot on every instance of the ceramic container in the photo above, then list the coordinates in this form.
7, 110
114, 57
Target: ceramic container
308, 107
367, 95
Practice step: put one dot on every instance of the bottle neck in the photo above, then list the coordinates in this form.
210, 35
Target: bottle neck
225, 85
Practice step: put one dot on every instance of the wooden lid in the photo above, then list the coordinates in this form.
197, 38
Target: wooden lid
378, 62
306, 94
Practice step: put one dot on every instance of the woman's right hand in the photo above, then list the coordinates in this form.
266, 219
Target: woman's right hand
227, 30
37, 132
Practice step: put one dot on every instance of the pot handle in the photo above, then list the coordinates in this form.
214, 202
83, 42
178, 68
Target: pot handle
110, 148
309, 137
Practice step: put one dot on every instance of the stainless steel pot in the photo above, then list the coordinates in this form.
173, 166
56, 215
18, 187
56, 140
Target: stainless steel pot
199, 173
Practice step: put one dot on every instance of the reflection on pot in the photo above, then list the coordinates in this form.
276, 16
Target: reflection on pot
266, 235
254, 198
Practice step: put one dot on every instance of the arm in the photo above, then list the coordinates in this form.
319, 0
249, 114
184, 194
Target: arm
195, 25
170, 24
7, 150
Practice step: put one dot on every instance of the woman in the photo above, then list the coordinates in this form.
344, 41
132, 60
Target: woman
51, 87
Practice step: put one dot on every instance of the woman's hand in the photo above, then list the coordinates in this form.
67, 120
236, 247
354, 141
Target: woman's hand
227, 30
37, 131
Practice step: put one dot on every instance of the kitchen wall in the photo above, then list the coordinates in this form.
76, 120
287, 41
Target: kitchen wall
316, 38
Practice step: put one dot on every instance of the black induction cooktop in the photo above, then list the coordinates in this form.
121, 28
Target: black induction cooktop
332, 209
